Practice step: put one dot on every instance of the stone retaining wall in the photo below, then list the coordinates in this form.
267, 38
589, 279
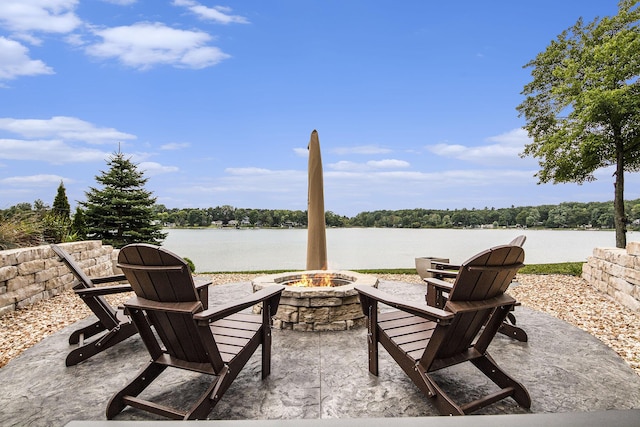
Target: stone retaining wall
616, 272
32, 274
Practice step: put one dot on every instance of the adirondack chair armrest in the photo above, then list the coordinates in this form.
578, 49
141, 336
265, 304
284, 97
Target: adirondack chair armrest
439, 265
201, 283
223, 311
102, 290
109, 279
169, 307
440, 285
463, 306
449, 274
424, 311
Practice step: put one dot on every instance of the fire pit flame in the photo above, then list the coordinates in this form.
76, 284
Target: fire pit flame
313, 280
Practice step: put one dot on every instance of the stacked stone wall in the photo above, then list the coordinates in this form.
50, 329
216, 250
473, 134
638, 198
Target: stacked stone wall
616, 272
28, 275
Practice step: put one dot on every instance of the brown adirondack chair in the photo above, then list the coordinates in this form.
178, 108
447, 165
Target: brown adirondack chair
424, 339
112, 324
438, 290
217, 342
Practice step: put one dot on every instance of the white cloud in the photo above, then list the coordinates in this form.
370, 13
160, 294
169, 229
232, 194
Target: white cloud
251, 171
175, 146
507, 148
264, 181
15, 61
388, 164
301, 152
345, 165
515, 137
120, 2
50, 16
218, 14
144, 45
50, 151
154, 168
362, 149
75, 40
31, 180
63, 127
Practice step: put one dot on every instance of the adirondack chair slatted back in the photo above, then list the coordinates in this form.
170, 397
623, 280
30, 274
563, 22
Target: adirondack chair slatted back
100, 307
156, 274
487, 274
482, 277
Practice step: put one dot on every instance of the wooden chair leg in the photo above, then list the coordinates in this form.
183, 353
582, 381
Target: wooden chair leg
201, 409
513, 332
503, 380
372, 337
134, 388
440, 399
86, 332
91, 349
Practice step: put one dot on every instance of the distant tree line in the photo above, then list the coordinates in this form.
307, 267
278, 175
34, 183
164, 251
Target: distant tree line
227, 215
27, 224
564, 215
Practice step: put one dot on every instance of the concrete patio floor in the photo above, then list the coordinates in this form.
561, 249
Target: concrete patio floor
322, 376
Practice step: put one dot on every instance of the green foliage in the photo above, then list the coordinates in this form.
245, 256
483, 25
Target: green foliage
568, 268
61, 206
19, 228
23, 225
192, 266
56, 228
583, 105
122, 211
79, 226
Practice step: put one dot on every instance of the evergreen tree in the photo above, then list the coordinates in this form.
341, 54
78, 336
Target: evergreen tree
122, 212
78, 226
61, 206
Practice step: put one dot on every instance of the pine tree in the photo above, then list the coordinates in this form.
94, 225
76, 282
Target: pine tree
61, 206
122, 211
78, 226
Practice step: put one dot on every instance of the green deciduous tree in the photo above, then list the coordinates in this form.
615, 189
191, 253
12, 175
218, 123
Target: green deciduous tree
583, 106
122, 211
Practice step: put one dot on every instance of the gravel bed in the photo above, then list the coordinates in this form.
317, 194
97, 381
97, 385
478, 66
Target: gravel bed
566, 297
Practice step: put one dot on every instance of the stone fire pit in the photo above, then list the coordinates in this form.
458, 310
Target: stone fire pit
318, 308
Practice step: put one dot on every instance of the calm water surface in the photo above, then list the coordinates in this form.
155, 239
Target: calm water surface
368, 248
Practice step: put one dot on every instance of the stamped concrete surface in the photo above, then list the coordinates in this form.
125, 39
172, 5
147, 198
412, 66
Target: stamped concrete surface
322, 375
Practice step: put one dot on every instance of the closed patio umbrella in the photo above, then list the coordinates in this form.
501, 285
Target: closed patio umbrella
316, 230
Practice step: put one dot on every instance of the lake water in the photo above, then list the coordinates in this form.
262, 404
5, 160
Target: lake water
369, 248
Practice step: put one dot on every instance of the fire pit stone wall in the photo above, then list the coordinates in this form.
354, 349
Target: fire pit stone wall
318, 308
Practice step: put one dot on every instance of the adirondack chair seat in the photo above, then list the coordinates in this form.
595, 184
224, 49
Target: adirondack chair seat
218, 341
424, 339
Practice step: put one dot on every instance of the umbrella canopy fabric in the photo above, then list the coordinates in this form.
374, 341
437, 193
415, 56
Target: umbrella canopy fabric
316, 229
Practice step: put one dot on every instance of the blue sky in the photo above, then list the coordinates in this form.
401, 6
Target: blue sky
414, 101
